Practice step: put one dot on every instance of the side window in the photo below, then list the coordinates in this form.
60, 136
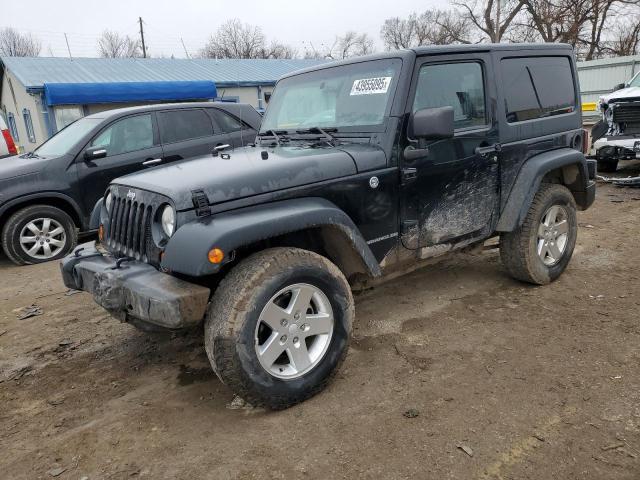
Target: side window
127, 135
180, 125
28, 125
13, 128
227, 123
537, 87
458, 85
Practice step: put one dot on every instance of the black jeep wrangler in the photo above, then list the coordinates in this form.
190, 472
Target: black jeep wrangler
361, 167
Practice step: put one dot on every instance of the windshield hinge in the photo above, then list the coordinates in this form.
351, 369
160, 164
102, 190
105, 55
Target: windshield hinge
201, 203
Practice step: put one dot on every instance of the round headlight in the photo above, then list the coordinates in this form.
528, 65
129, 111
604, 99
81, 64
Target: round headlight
107, 202
168, 220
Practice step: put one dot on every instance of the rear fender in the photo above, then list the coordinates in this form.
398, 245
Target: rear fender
187, 251
571, 166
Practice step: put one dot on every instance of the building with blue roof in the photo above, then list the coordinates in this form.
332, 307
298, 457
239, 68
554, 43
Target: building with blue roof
41, 95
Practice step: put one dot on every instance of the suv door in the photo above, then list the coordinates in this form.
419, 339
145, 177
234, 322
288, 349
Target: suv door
129, 142
450, 193
186, 133
237, 132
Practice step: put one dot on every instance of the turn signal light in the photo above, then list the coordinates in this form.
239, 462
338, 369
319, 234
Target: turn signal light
101, 232
215, 255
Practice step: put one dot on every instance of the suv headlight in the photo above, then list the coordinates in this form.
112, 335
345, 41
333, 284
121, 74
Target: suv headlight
168, 220
107, 202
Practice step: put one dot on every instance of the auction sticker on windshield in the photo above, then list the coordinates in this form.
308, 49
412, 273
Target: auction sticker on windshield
370, 86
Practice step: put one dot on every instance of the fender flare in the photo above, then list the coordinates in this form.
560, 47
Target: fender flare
187, 250
44, 195
530, 176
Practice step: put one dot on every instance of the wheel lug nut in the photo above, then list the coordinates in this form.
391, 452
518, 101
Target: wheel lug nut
297, 315
283, 338
295, 339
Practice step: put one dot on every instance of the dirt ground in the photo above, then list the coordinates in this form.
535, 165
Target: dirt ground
455, 372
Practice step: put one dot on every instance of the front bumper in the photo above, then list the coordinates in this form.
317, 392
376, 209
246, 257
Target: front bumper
135, 291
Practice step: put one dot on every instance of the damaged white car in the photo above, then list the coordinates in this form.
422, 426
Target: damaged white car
617, 136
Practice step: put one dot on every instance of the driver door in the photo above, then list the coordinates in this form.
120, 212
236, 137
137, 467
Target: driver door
450, 190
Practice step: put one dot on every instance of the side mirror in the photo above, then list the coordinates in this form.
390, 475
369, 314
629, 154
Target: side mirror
431, 123
93, 153
619, 86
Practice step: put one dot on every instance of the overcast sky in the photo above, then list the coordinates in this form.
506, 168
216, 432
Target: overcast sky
294, 22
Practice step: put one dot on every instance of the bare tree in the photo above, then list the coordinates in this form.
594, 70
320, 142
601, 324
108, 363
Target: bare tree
235, 39
433, 27
594, 27
16, 44
493, 18
113, 45
351, 44
399, 32
626, 40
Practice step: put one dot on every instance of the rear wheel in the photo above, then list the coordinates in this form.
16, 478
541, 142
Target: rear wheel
540, 249
278, 326
37, 234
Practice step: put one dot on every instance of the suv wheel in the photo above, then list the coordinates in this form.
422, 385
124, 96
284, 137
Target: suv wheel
540, 249
278, 326
38, 234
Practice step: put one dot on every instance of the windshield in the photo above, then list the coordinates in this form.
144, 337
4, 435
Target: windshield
354, 95
635, 82
66, 138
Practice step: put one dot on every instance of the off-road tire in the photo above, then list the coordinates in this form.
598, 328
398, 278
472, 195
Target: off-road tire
607, 166
518, 249
233, 313
15, 223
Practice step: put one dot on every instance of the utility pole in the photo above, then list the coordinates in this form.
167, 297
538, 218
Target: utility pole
185, 48
68, 49
144, 49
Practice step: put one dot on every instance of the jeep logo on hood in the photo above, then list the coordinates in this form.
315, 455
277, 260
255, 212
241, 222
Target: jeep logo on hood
131, 195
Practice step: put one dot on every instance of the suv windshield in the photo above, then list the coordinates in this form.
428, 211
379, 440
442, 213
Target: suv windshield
355, 95
66, 138
635, 81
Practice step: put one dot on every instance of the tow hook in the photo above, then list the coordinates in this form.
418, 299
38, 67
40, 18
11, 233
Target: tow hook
120, 261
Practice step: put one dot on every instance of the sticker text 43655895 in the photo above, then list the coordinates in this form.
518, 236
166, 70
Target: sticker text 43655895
370, 86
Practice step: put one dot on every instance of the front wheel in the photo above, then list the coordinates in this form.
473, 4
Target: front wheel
278, 326
540, 249
37, 234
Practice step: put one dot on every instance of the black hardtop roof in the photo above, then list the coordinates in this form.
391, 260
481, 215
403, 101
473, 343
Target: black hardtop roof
439, 50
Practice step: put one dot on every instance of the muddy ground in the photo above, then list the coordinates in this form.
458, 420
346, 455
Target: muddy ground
535, 383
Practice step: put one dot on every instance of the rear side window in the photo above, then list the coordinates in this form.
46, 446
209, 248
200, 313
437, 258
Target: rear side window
227, 123
537, 87
458, 85
180, 125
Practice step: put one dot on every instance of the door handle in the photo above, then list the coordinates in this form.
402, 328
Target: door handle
484, 151
152, 161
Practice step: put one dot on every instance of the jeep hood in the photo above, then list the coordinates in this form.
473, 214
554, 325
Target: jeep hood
245, 173
623, 94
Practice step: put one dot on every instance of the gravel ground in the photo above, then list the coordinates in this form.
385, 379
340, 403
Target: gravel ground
455, 372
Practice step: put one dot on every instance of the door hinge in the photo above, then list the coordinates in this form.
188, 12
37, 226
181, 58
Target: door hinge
201, 203
409, 175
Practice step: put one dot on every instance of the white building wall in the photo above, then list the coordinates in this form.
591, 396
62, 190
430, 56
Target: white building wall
15, 103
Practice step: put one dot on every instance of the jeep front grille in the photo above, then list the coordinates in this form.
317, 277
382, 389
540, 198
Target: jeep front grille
129, 228
626, 112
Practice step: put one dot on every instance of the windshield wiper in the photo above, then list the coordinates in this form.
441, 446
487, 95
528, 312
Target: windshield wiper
322, 131
31, 155
279, 135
